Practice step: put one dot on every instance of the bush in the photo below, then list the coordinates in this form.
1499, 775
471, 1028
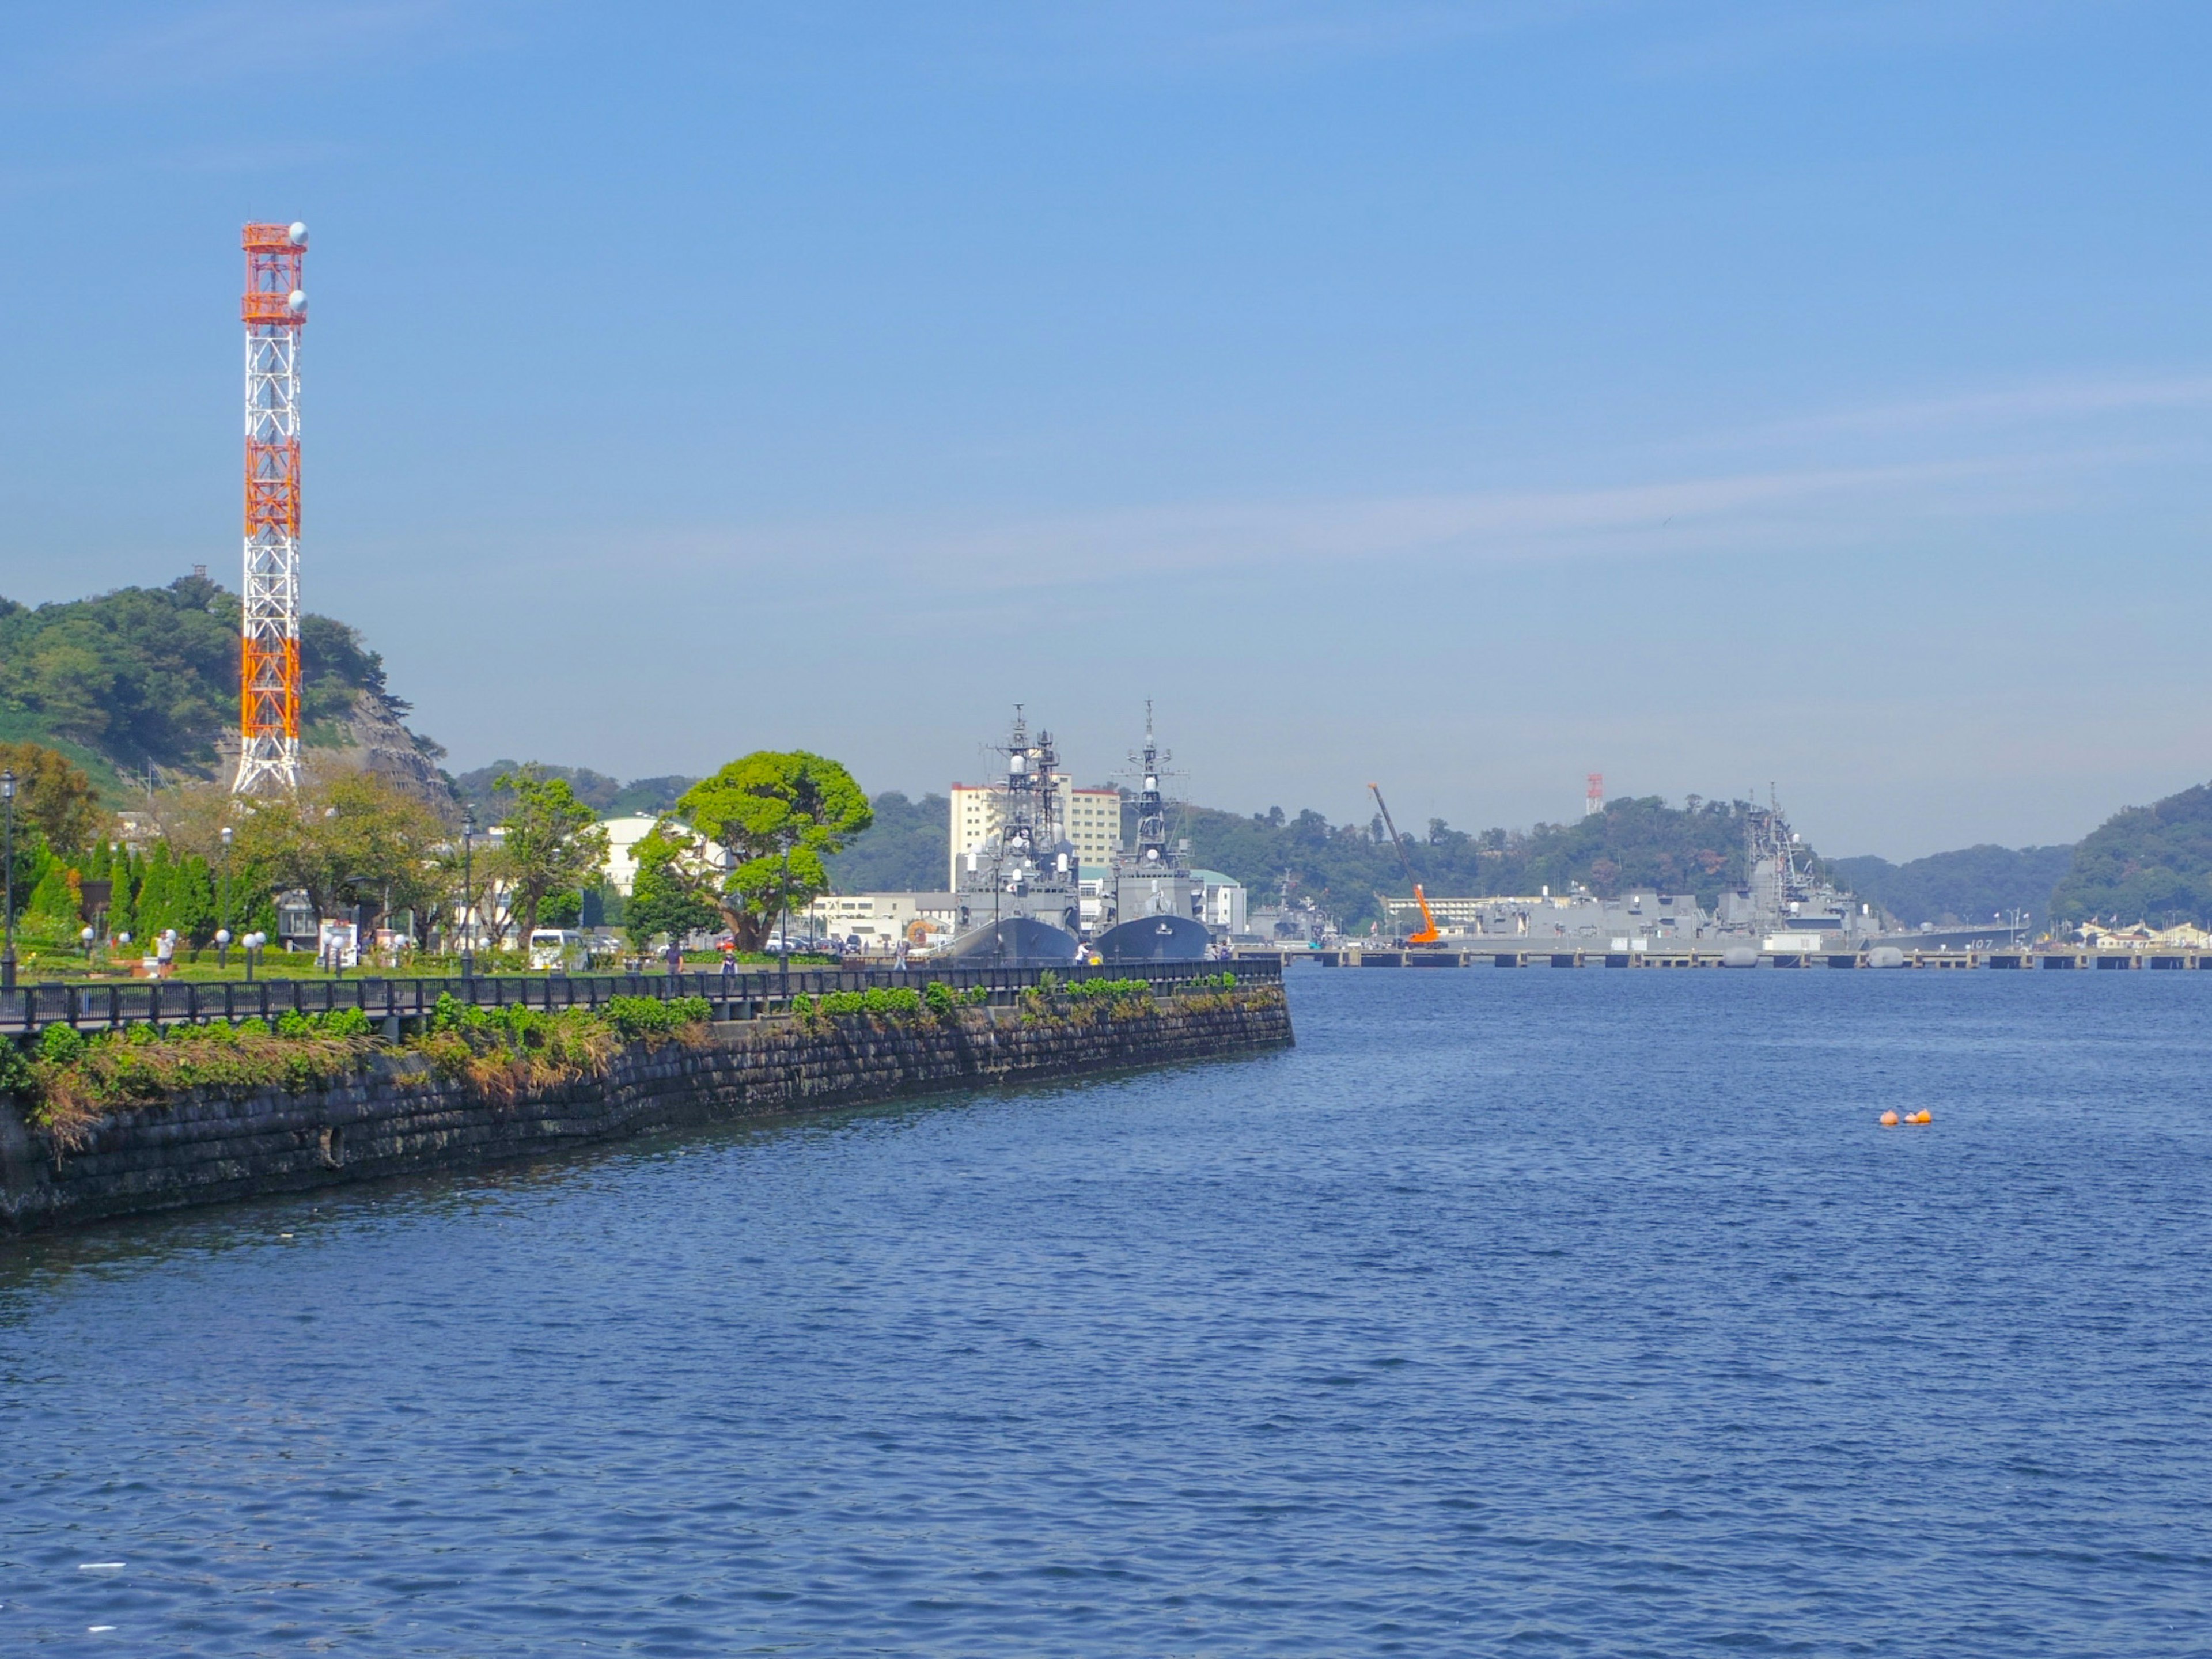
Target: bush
16, 1077
637, 1017
1109, 989
61, 1045
902, 999
294, 1025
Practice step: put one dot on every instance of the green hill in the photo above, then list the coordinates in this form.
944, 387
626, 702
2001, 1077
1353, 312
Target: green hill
1636, 842
908, 849
150, 674
1971, 884
2144, 864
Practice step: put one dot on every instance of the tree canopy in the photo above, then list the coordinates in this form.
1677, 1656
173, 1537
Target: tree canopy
1635, 842
52, 796
777, 815
2145, 864
151, 674
1971, 884
673, 891
354, 839
553, 844
908, 849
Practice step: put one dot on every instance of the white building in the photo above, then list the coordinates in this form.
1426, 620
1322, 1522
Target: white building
1091, 818
1222, 903
880, 920
622, 837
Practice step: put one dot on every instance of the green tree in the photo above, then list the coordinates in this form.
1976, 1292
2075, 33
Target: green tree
776, 816
673, 890
354, 839
191, 900
152, 901
57, 896
2143, 864
554, 843
51, 795
122, 904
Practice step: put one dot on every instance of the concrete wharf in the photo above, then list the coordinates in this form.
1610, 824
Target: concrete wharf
1711, 956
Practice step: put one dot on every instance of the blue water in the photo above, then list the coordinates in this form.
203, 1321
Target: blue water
1516, 1312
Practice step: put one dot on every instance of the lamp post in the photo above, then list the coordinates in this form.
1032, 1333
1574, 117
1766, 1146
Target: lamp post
468, 892
222, 908
8, 858
783, 920
252, 944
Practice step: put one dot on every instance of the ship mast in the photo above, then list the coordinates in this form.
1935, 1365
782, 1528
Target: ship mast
1151, 804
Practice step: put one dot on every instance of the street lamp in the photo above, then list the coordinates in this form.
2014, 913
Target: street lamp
468, 890
8, 858
252, 944
222, 912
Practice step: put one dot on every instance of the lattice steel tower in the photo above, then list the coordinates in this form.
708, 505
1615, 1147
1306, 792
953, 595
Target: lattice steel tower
275, 311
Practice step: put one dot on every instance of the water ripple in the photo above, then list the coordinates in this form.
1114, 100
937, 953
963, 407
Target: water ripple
1535, 1313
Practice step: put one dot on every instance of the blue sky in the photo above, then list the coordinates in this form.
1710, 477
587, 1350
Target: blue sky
1466, 396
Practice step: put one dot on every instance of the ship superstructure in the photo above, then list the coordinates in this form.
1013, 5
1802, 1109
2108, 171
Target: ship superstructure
1784, 906
1158, 901
1018, 888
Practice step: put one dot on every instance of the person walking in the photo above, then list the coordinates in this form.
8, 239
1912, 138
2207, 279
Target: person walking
165, 952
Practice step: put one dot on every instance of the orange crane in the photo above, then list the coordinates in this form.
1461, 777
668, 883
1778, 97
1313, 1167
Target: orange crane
1429, 934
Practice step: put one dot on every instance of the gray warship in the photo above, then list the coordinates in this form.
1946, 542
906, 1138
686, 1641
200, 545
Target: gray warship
1157, 899
1784, 906
1020, 887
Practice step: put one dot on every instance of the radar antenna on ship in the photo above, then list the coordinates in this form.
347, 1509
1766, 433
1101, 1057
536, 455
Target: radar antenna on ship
1148, 766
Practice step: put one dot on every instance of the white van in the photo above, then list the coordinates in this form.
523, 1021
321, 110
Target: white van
556, 947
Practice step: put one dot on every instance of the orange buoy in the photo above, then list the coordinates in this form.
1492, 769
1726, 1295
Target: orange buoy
1889, 1119
1926, 1116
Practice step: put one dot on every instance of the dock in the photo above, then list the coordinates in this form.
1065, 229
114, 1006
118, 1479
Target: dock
2059, 958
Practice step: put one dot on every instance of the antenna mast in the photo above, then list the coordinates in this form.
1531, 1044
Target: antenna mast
274, 310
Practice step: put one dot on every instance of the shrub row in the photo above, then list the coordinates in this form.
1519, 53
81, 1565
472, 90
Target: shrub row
69, 1077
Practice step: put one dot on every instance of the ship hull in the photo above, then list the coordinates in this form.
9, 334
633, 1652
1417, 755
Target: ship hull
1016, 942
1153, 938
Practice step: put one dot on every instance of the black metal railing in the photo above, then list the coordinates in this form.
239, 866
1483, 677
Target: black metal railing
107, 1006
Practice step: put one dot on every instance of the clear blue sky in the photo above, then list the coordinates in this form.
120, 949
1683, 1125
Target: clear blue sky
1464, 396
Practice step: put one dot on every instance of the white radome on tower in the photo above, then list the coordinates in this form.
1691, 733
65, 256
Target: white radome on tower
297, 234
296, 300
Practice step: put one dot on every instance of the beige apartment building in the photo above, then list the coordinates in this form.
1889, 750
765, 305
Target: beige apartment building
1092, 818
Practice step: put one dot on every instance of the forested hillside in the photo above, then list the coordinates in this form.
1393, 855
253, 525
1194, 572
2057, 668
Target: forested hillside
1696, 847
150, 674
907, 850
2145, 864
1971, 884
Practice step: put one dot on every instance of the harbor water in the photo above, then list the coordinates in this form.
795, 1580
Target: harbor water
1519, 1313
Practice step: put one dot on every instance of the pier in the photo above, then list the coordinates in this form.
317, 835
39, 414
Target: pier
1522, 955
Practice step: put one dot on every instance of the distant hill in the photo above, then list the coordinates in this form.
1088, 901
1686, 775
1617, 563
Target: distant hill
150, 675
1635, 842
908, 848
1970, 885
2144, 864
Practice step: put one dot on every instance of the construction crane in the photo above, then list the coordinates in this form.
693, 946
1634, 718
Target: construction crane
1429, 934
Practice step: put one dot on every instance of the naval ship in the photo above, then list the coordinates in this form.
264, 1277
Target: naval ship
1020, 889
1157, 901
1784, 907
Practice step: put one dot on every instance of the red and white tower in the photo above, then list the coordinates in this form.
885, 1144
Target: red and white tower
1594, 799
275, 311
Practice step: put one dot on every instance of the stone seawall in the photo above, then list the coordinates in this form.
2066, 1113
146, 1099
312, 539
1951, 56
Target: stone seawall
397, 1117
